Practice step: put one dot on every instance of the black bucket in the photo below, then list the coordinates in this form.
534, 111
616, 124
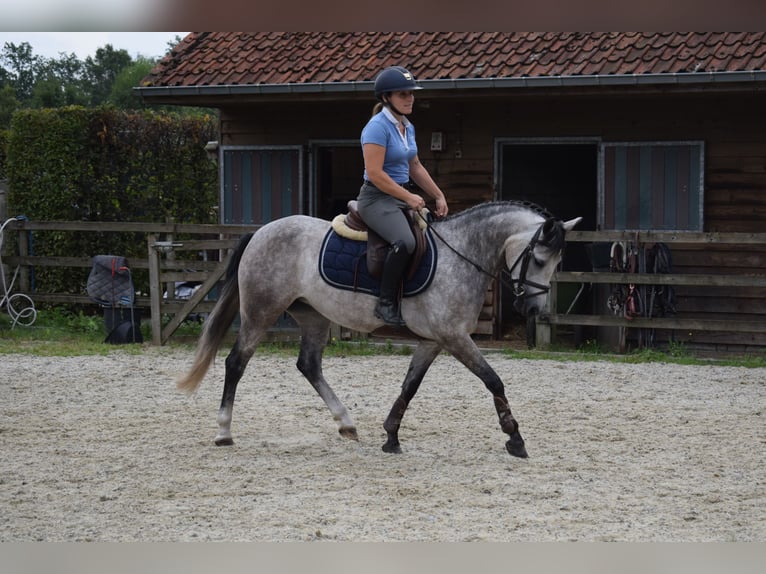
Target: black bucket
123, 325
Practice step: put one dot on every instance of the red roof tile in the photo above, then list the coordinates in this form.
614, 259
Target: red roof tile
244, 58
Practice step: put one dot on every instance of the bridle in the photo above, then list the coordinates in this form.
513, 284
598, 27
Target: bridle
519, 286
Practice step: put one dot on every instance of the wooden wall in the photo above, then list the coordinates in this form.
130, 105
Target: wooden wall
731, 125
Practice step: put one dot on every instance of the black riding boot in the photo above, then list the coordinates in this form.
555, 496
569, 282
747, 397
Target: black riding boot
393, 269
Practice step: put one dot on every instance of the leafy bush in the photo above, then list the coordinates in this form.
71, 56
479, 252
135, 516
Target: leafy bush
3, 145
105, 164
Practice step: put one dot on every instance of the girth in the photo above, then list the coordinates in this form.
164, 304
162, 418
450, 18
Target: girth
377, 247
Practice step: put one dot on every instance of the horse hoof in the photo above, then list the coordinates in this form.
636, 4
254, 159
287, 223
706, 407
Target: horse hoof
349, 433
392, 448
515, 446
224, 441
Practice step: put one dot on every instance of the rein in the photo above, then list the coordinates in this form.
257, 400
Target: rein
517, 285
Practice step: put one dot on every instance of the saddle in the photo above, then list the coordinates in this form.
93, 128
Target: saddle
352, 226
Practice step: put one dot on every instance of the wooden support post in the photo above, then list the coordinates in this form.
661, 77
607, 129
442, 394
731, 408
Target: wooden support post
170, 255
155, 289
23, 276
544, 330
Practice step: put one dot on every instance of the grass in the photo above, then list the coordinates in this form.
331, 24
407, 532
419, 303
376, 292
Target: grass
670, 355
58, 332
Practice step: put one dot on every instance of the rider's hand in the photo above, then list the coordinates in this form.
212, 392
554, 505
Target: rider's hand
416, 202
441, 207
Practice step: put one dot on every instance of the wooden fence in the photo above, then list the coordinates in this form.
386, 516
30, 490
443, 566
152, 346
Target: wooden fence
752, 281
164, 263
166, 266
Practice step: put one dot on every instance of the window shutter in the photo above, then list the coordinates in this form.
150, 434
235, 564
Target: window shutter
260, 185
652, 186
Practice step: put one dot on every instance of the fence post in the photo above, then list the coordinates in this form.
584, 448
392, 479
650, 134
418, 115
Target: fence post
155, 289
170, 255
544, 330
24, 252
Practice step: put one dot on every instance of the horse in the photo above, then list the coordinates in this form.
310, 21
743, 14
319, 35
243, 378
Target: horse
275, 269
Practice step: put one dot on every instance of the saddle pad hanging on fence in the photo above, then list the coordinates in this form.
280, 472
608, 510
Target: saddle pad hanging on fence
109, 282
343, 264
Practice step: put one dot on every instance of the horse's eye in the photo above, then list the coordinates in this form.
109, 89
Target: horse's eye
538, 262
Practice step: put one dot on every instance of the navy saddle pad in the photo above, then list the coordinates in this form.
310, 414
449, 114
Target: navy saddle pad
343, 264
109, 281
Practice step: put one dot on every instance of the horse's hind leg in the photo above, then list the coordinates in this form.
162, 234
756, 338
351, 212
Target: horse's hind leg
315, 332
422, 359
236, 362
466, 351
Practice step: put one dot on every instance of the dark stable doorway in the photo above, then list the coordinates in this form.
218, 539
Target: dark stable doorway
339, 174
562, 178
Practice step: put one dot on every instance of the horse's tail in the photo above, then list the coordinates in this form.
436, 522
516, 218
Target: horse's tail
217, 323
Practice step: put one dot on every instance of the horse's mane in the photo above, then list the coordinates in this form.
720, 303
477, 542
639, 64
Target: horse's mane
504, 206
553, 236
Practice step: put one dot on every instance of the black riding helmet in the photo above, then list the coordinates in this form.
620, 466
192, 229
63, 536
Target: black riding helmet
394, 79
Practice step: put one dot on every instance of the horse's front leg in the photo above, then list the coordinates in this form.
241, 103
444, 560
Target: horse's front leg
466, 351
422, 359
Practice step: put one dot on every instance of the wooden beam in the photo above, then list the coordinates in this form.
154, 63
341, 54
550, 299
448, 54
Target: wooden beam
660, 279
666, 237
120, 226
678, 323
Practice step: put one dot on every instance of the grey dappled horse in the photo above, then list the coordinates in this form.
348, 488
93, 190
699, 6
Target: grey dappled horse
276, 269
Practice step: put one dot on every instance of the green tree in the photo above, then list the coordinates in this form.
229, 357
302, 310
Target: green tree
102, 70
69, 69
48, 93
59, 83
8, 105
122, 95
20, 68
28, 81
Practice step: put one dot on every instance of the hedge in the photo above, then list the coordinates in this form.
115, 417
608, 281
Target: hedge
3, 145
104, 164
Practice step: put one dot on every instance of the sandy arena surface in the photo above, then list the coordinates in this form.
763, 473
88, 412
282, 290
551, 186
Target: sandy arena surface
105, 449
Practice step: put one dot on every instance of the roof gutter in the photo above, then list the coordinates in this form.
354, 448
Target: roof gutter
676, 78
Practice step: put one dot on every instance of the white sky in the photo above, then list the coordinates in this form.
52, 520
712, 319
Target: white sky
83, 44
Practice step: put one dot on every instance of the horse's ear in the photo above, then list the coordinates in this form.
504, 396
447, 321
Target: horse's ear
569, 225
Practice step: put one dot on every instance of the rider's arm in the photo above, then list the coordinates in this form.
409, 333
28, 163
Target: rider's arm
419, 174
373, 162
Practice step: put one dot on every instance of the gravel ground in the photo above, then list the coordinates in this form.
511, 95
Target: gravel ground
106, 449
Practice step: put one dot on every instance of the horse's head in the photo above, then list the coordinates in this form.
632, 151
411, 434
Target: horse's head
533, 261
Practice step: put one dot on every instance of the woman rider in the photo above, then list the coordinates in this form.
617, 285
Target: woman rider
390, 162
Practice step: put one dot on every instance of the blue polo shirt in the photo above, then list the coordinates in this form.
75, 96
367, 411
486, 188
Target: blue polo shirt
381, 130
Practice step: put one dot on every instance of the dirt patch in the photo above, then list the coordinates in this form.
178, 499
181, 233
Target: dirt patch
105, 449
